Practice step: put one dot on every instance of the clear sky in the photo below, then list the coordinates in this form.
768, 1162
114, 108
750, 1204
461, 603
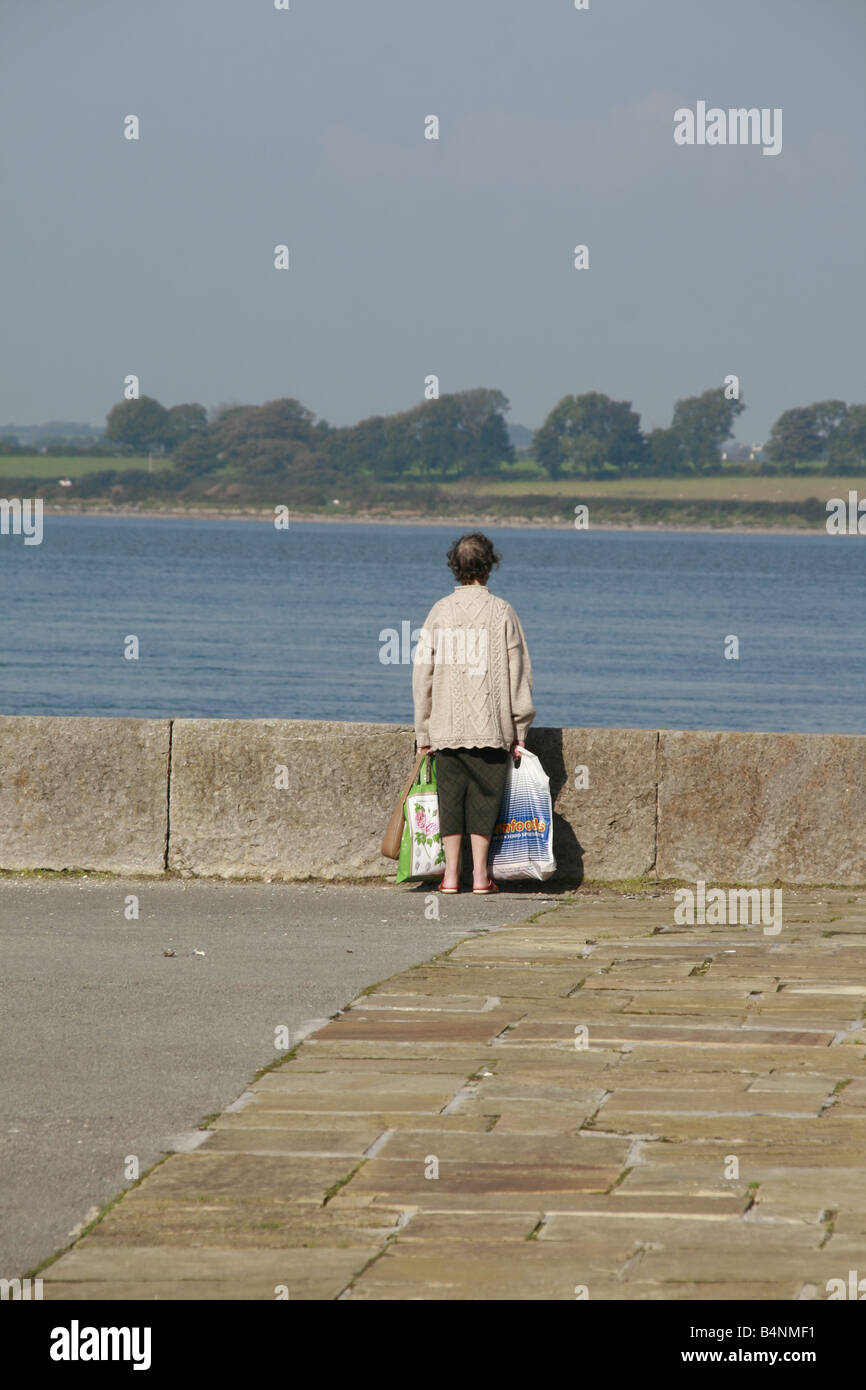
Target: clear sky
410, 256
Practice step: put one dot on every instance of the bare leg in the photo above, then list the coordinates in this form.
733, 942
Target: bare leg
480, 850
451, 844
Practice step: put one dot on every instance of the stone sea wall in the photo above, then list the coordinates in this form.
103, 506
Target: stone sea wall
296, 799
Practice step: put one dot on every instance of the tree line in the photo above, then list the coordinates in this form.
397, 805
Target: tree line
465, 435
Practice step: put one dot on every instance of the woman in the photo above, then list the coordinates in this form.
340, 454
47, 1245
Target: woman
472, 687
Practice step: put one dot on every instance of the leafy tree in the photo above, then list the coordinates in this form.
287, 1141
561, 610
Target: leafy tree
801, 435
664, 455
383, 446
484, 443
460, 432
794, 438
829, 417
265, 439
183, 421
141, 424
479, 404
584, 433
701, 424
493, 448
358, 448
434, 427
196, 455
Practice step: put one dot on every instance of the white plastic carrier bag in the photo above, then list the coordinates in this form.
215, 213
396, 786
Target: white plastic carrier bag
522, 843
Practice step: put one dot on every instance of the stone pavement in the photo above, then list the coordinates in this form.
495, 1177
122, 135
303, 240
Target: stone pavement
597, 1103
113, 1050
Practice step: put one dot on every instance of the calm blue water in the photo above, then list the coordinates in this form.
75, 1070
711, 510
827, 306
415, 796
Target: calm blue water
236, 619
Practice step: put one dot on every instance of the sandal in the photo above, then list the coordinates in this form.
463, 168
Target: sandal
442, 889
491, 888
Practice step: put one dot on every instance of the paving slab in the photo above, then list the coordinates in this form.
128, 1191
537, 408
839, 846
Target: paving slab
247, 1225
489, 1271
257, 1273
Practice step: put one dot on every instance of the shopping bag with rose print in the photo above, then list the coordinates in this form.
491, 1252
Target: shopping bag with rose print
421, 851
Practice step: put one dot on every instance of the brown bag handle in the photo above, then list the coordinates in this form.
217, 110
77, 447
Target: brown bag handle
394, 831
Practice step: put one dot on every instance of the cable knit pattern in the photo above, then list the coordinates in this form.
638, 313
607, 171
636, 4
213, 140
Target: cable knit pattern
472, 677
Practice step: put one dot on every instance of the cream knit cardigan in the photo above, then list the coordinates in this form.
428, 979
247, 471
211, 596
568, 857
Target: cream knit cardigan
471, 675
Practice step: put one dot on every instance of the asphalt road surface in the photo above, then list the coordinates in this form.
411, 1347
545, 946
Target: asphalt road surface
110, 1047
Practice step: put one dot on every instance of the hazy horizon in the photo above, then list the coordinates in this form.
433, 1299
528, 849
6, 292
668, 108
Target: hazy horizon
411, 256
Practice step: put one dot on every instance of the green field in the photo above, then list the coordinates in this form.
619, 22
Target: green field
654, 498
702, 489
56, 466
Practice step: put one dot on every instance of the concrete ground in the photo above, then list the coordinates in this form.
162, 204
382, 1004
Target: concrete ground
599, 1104
113, 1050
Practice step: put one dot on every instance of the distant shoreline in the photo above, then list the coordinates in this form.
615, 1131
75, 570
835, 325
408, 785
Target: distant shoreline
370, 519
